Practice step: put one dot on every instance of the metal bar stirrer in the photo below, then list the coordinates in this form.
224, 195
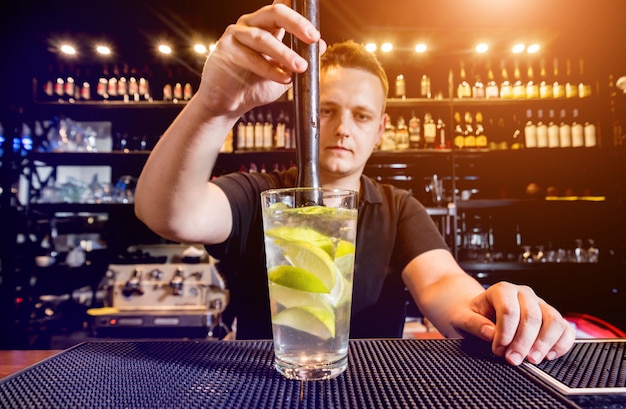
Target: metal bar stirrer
306, 96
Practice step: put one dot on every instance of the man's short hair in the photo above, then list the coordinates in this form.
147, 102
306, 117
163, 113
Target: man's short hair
349, 54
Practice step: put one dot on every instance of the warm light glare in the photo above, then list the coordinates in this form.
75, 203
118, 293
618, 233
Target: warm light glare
420, 48
386, 47
212, 47
482, 48
518, 48
165, 49
200, 48
68, 49
103, 50
371, 47
533, 48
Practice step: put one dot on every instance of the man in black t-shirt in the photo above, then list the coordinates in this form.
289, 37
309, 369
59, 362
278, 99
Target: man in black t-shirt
397, 244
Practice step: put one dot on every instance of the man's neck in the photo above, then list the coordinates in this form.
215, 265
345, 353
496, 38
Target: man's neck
351, 182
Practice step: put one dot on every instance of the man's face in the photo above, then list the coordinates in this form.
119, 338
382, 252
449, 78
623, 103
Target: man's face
351, 119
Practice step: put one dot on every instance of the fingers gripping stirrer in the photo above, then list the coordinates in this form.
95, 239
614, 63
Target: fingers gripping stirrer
306, 97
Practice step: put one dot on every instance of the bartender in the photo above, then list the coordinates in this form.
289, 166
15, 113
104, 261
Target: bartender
398, 246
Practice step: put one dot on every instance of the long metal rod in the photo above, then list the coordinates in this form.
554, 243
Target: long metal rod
306, 97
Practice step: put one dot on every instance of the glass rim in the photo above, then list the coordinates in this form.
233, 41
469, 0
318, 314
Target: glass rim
335, 190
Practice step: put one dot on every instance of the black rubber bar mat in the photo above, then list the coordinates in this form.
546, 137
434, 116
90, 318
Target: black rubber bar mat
446, 374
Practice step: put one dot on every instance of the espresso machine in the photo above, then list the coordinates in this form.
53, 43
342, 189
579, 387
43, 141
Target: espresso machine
177, 291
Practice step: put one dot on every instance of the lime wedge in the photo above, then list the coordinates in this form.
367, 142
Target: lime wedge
291, 234
315, 320
288, 297
340, 292
312, 259
297, 278
344, 248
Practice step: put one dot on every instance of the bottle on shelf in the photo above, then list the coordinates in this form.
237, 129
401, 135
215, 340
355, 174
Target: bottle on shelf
459, 135
491, 90
517, 141
258, 130
558, 87
442, 139
268, 131
464, 90
532, 86
585, 89
415, 131
400, 87
542, 130
430, 131
240, 135
481, 136
279, 137
249, 145
519, 88
425, 87
530, 130
590, 134
571, 85
577, 130
402, 134
469, 141
478, 89
565, 130
506, 89
388, 140
545, 87
553, 130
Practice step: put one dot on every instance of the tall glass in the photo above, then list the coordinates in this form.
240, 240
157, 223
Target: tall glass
310, 263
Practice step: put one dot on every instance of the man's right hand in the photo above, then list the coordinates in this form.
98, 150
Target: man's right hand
250, 65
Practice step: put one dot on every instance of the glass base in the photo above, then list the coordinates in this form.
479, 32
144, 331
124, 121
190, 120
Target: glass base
311, 372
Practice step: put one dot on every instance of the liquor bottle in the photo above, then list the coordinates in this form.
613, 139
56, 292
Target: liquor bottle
187, 91
268, 132
506, 90
590, 134
241, 134
464, 90
430, 131
565, 131
250, 131
553, 130
481, 136
279, 138
442, 140
491, 90
258, 130
459, 135
532, 86
402, 134
584, 87
545, 88
571, 86
425, 88
178, 92
519, 90
415, 131
133, 88
469, 133
290, 136
388, 140
530, 131
518, 133
542, 130
400, 87
478, 89
577, 129
558, 87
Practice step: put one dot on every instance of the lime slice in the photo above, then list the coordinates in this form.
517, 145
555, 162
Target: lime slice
312, 259
340, 292
289, 297
290, 234
315, 320
344, 247
297, 278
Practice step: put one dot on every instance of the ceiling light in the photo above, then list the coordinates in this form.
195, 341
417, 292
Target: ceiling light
103, 50
371, 47
386, 47
482, 48
420, 48
165, 49
518, 48
68, 49
533, 48
200, 48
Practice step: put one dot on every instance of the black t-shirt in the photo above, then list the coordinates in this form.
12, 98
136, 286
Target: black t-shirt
393, 228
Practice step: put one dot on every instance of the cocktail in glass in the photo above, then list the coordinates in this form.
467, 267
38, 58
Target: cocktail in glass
310, 262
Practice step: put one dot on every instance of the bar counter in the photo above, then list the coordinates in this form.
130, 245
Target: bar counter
382, 373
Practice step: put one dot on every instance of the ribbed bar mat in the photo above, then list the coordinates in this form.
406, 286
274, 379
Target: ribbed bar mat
446, 374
